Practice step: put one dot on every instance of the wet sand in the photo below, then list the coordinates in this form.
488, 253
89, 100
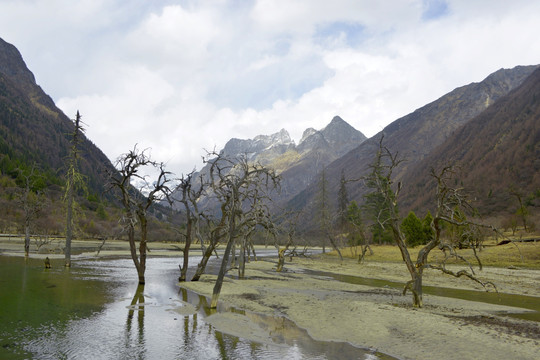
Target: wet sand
382, 318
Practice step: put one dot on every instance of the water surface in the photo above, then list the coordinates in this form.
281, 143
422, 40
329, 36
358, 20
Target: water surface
96, 310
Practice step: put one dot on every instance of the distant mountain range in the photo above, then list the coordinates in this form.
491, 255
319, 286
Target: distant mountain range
298, 165
491, 128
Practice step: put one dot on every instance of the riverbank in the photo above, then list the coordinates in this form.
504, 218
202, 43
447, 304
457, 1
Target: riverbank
381, 318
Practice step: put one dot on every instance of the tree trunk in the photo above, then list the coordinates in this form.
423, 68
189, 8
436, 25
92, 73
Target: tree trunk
281, 259
26, 239
183, 270
133, 252
69, 227
242, 260
252, 250
221, 275
202, 264
334, 245
416, 288
142, 250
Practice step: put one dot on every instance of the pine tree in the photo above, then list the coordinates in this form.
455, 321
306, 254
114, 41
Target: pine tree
343, 201
374, 202
323, 206
74, 181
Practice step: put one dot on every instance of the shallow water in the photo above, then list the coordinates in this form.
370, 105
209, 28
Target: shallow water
95, 310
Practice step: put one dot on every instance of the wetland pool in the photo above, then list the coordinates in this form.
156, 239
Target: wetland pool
96, 310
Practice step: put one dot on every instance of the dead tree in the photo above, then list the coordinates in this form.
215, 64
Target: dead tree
448, 199
255, 215
188, 197
74, 181
355, 227
213, 230
522, 210
287, 227
241, 189
137, 200
32, 202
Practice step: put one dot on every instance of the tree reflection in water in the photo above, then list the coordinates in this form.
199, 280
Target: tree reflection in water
137, 304
91, 311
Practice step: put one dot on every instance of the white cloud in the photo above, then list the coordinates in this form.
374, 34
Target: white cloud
181, 76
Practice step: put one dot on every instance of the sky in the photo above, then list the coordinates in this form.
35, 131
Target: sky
181, 77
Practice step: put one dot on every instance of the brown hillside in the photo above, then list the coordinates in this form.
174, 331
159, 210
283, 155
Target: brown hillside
495, 151
415, 135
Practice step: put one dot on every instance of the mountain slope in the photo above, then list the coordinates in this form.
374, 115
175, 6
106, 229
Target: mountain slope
415, 135
316, 150
497, 150
34, 130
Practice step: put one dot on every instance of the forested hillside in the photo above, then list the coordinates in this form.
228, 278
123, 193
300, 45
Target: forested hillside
33, 131
497, 154
35, 141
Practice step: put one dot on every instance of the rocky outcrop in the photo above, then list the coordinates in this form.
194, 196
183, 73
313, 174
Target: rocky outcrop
297, 165
262, 148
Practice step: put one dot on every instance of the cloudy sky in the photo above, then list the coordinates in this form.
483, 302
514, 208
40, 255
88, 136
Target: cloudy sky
180, 76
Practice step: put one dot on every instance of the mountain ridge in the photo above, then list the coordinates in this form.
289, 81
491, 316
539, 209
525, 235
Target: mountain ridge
415, 135
495, 153
296, 164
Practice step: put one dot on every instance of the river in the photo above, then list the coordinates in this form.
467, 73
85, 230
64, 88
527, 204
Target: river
95, 310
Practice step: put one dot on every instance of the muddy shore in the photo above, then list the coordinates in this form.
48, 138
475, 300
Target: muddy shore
382, 319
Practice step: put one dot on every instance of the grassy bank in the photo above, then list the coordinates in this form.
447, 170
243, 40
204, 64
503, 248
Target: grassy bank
522, 255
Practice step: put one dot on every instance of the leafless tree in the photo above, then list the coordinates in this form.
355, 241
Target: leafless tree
242, 189
448, 199
210, 227
74, 181
137, 201
40, 241
326, 217
189, 194
522, 211
31, 201
356, 229
288, 222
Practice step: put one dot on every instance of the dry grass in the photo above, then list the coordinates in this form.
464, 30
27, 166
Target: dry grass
523, 255
285, 160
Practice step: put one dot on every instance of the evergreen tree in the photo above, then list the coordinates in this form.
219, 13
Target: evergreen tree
323, 206
343, 201
374, 202
74, 181
413, 230
354, 218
